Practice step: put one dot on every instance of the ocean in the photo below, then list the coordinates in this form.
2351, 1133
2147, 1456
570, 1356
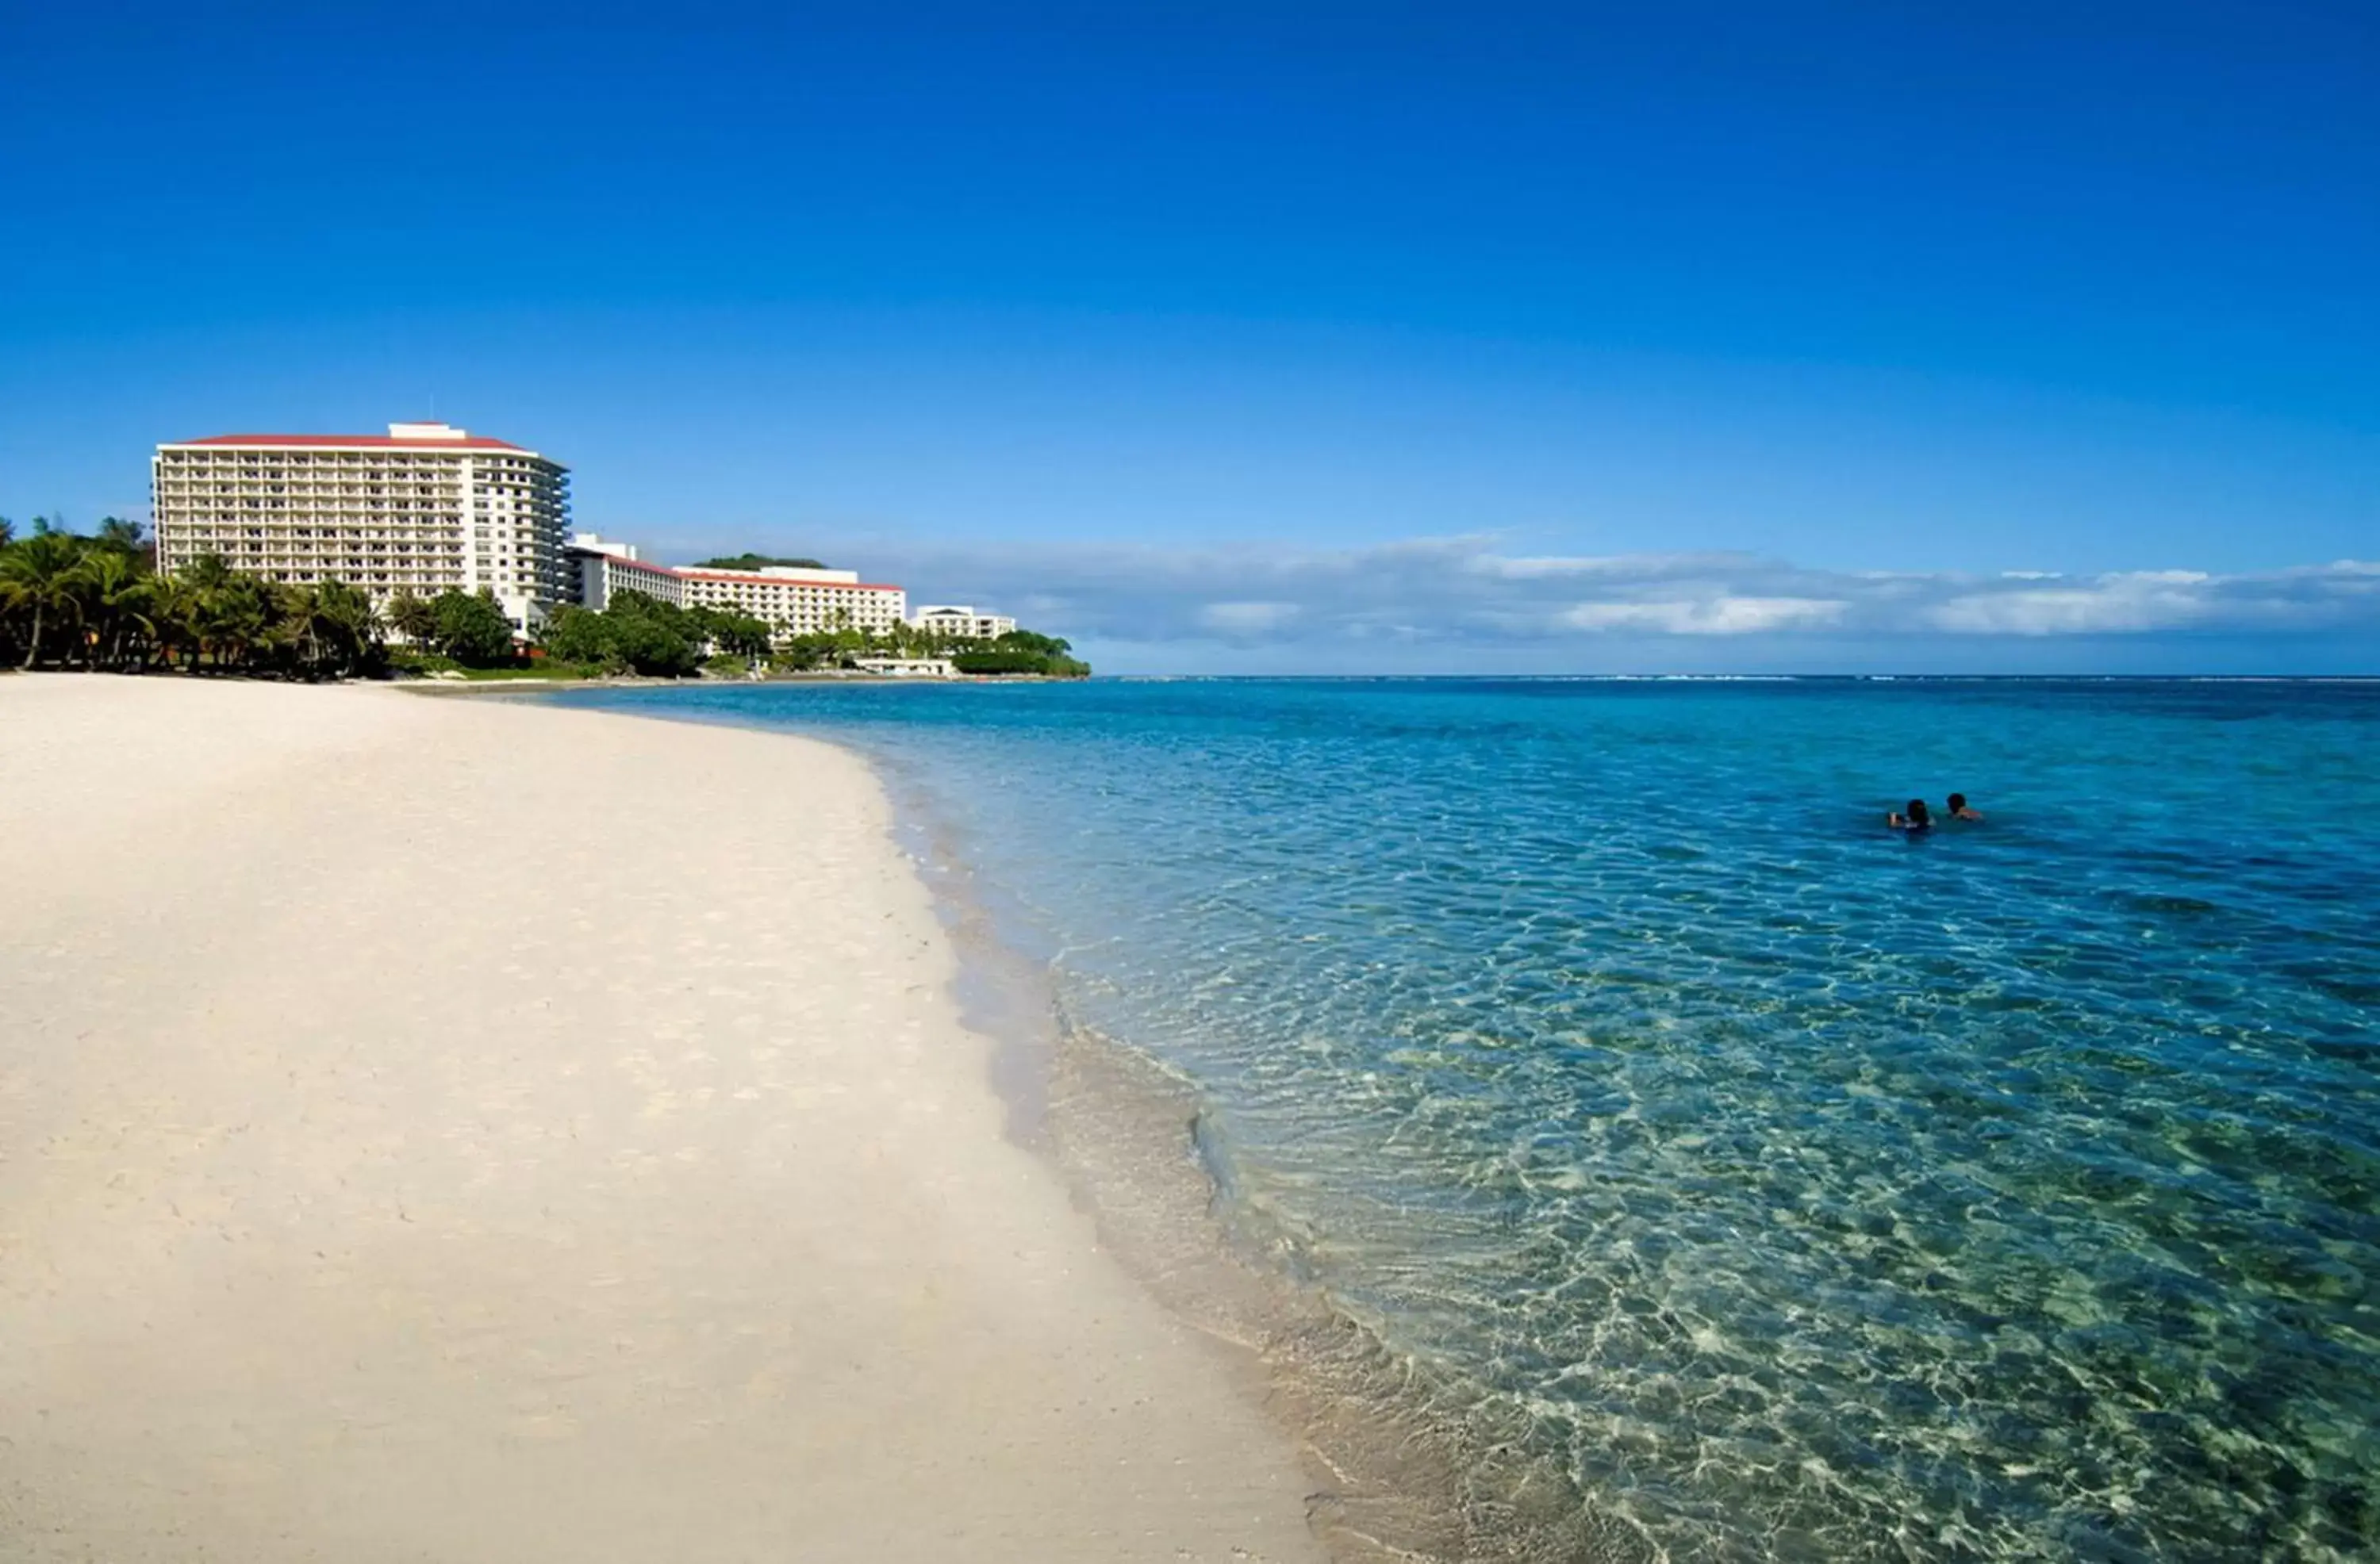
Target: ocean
1732, 1177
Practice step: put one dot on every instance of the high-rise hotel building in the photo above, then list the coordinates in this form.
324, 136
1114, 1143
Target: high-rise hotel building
423, 509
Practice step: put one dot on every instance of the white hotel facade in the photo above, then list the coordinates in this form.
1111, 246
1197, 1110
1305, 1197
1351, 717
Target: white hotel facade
429, 508
961, 622
425, 508
791, 600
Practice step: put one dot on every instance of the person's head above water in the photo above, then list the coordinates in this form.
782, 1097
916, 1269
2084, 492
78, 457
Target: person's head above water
1958, 810
1918, 814
1917, 819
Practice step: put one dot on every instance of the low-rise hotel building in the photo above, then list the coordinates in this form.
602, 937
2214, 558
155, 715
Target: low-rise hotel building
907, 667
596, 567
791, 600
961, 622
424, 509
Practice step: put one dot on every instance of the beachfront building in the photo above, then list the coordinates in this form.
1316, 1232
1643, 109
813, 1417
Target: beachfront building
425, 508
596, 567
795, 600
907, 667
791, 600
960, 622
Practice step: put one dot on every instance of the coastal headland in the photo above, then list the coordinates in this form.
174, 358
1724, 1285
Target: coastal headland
462, 1130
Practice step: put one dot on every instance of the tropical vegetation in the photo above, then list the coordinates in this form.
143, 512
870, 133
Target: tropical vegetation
96, 601
1018, 652
757, 562
637, 634
1021, 652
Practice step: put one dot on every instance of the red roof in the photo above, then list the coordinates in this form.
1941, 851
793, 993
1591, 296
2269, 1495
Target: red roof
686, 572
472, 442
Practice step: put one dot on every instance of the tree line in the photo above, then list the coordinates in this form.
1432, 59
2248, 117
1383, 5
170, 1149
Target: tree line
96, 602
70, 601
635, 632
639, 634
1020, 651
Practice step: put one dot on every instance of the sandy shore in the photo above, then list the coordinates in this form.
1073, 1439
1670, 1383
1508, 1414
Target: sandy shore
452, 1130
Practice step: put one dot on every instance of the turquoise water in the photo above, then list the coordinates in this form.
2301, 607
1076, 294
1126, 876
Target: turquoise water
1800, 1190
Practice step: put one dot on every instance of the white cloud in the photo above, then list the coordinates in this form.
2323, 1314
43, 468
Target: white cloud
1468, 592
1721, 616
2123, 604
1247, 618
2140, 602
1634, 567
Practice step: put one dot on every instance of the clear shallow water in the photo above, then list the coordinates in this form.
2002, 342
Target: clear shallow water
1802, 1191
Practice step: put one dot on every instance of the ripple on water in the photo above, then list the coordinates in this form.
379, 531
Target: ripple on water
1783, 1188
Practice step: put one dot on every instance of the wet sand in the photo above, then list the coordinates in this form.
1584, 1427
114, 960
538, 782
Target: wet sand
469, 1130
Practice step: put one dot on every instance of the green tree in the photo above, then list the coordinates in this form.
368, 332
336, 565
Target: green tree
171, 608
1021, 651
338, 628
208, 572
758, 562
234, 617
834, 649
652, 648
579, 634
128, 538
739, 634
196, 590
657, 638
94, 602
116, 592
471, 630
1026, 640
413, 618
38, 576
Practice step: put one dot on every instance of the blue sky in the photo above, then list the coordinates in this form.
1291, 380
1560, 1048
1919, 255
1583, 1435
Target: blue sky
1572, 338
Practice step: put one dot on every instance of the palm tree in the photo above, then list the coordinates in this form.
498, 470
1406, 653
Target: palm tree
413, 618
352, 620
208, 572
335, 623
288, 629
239, 618
118, 533
130, 538
39, 572
115, 591
171, 607
202, 587
228, 612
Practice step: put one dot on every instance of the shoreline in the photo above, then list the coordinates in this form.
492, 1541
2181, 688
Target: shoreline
439, 1137
1408, 1463
541, 684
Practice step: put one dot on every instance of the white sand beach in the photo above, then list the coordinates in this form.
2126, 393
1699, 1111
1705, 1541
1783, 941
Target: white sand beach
458, 1130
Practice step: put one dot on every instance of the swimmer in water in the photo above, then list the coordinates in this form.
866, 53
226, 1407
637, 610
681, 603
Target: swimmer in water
1958, 810
1918, 818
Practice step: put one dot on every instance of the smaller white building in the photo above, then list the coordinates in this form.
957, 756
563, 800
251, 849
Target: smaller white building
600, 568
961, 622
907, 667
